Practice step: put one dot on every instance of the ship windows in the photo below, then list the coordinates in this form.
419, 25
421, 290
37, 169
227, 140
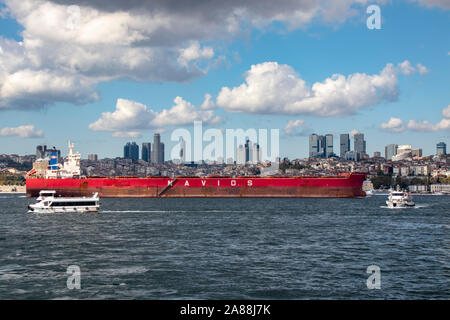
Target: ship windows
74, 204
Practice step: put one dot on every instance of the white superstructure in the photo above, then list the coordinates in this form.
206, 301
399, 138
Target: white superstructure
71, 167
399, 199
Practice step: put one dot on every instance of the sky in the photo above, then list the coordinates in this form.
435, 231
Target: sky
102, 74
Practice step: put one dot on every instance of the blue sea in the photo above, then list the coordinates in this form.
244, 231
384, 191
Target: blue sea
227, 249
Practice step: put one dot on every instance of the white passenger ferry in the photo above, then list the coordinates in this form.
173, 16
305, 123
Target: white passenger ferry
47, 202
399, 199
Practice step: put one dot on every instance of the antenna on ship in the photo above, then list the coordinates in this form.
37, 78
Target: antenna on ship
70, 147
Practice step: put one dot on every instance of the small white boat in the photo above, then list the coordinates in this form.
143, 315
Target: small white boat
47, 202
399, 199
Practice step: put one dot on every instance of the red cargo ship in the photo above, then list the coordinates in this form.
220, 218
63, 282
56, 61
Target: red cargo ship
62, 179
343, 186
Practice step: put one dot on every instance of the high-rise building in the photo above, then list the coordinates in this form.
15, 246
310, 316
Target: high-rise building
320, 146
92, 157
328, 147
40, 151
441, 148
353, 155
359, 143
131, 151
313, 145
241, 155
256, 154
182, 151
377, 154
158, 149
161, 152
247, 150
345, 144
146, 151
389, 151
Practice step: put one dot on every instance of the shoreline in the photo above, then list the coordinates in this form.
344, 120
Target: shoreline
13, 189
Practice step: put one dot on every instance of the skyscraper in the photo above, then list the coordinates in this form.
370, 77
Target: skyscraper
441, 148
146, 151
182, 151
40, 152
256, 154
313, 145
158, 149
240, 155
359, 143
131, 151
328, 148
247, 150
389, 151
345, 144
320, 146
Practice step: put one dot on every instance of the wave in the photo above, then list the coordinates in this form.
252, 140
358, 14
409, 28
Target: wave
417, 206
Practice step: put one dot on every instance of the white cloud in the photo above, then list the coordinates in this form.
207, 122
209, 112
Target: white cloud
183, 112
131, 115
446, 112
27, 131
422, 69
296, 128
193, 53
138, 40
128, 115
271, 88
425, 125
444, 4
396, 125
127, 134
393, 125
208, 103
406, 68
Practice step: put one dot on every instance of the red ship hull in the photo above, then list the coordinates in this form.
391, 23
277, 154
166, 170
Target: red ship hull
343, 186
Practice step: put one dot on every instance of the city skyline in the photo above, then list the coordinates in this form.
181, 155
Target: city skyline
330, 73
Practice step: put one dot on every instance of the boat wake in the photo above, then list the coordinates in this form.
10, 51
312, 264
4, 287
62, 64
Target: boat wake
417, 206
